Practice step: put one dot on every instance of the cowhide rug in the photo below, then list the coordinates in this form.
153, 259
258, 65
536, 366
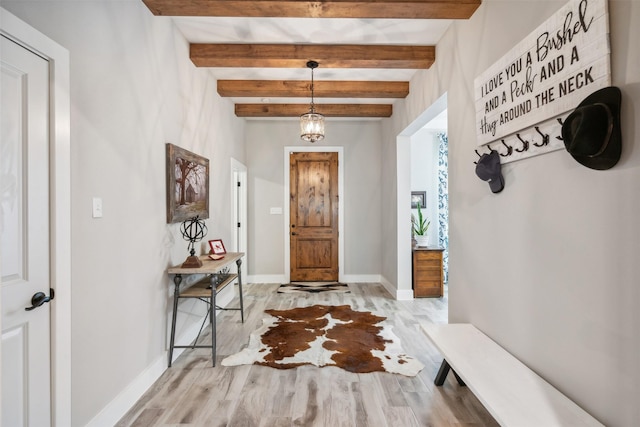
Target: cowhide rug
322, 335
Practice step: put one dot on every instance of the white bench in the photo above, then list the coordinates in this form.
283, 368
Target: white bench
512, 393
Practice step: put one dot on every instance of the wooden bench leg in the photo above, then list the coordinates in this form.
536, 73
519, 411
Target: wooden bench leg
460, 382
442, 375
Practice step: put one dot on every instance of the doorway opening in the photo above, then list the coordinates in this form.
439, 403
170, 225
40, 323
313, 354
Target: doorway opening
239, 211
424, 146
429, 176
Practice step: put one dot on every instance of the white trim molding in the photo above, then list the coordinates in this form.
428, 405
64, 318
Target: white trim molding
361, 278
267, 278
398, 294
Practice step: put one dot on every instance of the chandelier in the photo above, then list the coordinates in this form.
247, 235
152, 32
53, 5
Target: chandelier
312, 123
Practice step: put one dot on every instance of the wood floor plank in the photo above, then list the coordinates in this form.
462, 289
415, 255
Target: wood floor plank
148, 417
307, 402
253, 399
216, 413
401, 416
283, 385
193, 393
368, 411
337, 404
391, 390
276, 422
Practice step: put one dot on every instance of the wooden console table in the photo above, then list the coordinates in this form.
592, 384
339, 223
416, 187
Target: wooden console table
205, 290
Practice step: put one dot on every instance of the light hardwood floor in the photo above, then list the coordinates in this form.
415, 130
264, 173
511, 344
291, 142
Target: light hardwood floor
194, 393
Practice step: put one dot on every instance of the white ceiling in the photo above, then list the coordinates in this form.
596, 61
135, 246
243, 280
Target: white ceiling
312, 31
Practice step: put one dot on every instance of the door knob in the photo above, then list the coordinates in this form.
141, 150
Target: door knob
40, 298
293, 234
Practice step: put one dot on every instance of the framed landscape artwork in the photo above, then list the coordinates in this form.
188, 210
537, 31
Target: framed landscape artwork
187, 185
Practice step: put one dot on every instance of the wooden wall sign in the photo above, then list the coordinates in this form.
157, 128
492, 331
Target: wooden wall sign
545, 76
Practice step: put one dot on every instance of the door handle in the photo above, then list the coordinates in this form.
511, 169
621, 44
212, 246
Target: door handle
293, 234
40, 298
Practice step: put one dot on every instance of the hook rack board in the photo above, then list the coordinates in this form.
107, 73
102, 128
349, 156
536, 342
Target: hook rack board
540, 139
542, 78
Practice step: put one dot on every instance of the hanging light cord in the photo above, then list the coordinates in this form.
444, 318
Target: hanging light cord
312, 104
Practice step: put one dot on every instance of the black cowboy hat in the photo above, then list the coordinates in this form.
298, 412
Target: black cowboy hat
591, 133
489, 169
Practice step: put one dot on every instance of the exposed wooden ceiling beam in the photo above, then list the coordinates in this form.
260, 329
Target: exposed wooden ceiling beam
297, 55
321, 89
401, 9
328, 110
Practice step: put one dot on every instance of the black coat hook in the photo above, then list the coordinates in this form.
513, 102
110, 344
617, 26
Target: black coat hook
509, 149
479, 155
559, 119
545, 138
525, 144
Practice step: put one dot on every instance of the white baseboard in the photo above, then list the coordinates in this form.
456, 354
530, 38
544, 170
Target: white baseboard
404, 295
119, 406
266, 278
361, 278
124, 401
398, 294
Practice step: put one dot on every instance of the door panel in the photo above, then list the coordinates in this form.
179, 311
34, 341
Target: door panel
24, 236
314, 216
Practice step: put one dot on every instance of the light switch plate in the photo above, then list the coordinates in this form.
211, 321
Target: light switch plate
97, 207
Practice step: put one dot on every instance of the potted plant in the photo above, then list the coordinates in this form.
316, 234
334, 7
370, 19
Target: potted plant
420, 227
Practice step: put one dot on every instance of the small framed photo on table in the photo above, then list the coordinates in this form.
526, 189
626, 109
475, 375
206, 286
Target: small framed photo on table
217, 249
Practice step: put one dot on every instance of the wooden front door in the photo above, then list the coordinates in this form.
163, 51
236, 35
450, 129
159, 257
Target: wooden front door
313, 207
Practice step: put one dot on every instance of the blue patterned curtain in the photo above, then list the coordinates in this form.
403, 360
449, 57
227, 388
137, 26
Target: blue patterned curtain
443, 199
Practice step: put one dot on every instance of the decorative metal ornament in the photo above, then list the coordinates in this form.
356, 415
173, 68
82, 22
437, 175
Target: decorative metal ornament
312, 123
193, 230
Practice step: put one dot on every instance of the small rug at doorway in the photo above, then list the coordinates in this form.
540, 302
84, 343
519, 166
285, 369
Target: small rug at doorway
313, 287
325, 335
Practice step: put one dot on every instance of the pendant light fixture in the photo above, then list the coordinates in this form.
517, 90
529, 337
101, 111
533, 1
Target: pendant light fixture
312, 123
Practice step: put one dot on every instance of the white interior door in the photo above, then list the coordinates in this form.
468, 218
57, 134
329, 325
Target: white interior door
24, 236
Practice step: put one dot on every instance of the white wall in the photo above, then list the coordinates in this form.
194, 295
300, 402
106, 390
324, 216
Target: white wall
133, 89
424, 177
549, 267
265, 142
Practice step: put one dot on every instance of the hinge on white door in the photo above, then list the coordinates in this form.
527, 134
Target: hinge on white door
238, 225
239, 185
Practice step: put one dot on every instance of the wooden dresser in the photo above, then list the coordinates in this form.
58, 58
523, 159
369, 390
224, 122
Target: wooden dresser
428, 276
